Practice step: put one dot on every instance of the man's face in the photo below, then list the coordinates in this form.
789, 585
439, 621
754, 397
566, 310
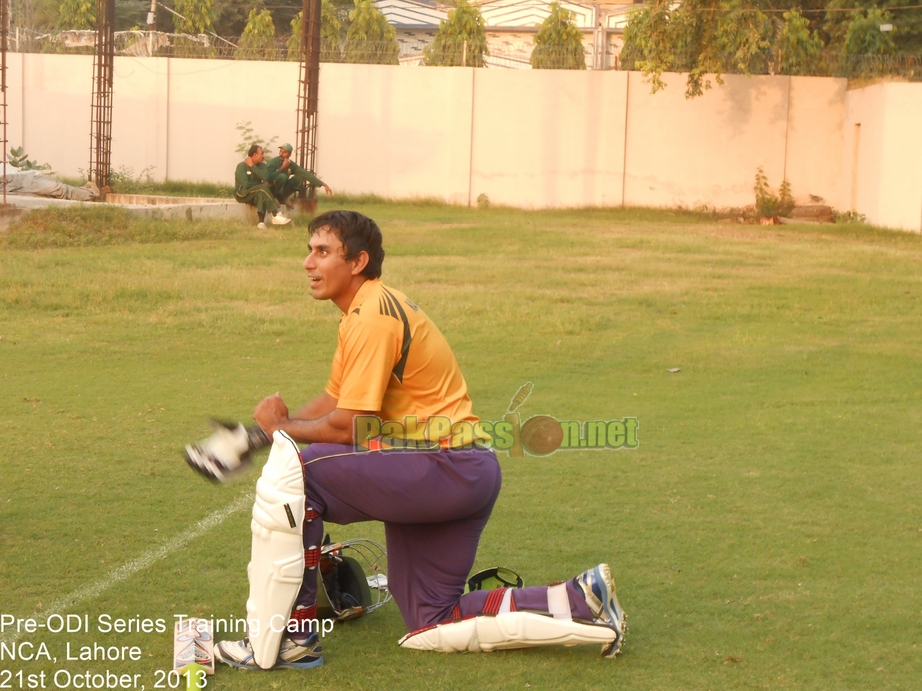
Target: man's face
329, 272
284, 153
258, 156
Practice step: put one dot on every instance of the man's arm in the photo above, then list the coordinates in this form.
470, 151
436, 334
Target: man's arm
334, 426
240, 176
310, 177
324, 404
274, 164
260, 172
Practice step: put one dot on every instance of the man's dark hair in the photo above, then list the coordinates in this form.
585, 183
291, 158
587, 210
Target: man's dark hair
253, 149
358, 233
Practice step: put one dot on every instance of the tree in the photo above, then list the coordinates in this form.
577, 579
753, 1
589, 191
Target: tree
558, 43
131, 14
199, 16
460, 40
230, 16
77, 14
370, 39
744, 37
700, 37
258, 39
708, 37
864, 37
906, 37
799, 49
330, 34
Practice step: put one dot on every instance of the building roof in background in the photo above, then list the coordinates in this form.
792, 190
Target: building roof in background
502, 14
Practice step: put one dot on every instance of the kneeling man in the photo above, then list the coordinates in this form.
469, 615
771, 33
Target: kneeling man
434, 487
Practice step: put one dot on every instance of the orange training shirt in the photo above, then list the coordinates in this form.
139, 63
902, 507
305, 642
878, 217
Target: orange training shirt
392, 360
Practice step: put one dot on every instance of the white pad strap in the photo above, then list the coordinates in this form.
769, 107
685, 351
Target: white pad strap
506, 604
276, 566
505, 632
558, 604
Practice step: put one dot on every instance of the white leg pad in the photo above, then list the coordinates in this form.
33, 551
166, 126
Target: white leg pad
276, 566
505, 632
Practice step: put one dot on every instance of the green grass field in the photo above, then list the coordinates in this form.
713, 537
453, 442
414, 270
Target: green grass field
767, 533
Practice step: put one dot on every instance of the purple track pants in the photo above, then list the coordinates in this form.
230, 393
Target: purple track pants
434, 506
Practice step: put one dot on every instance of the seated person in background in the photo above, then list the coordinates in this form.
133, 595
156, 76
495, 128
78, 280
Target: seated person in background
286, 177
251, 187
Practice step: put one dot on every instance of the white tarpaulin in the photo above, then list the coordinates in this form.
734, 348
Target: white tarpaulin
33, 183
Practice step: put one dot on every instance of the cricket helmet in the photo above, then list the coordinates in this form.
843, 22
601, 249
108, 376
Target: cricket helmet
353, 579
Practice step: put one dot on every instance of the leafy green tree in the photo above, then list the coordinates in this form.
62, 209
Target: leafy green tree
230, 17
744, 34
648, 41
906, 37
199, 16
77, 14
799, 49
131, 14
864, 37
691, 37
460, 40
711, 37
258, 40
330, 34
559, 42
370, 39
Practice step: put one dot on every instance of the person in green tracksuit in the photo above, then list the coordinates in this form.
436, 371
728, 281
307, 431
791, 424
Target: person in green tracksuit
286, 176
251, 187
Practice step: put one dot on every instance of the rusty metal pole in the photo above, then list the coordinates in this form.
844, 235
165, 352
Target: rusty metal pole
308, 89
101, 107
4, 46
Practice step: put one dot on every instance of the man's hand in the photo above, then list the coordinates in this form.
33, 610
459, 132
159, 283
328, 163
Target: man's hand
318, 421
285, 163
271, 413
226, 453
326, 188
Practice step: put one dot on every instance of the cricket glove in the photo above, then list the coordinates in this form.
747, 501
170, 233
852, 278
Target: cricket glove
226, 453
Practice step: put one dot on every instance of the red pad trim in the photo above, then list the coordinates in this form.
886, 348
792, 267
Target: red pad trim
310, 514
426, 628
494, 601
456, 613
301, 621
311, 557
304, 614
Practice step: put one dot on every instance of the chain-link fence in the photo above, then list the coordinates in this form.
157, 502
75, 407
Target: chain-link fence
414, 52
286, 48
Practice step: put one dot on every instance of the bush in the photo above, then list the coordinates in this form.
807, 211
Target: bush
769, 205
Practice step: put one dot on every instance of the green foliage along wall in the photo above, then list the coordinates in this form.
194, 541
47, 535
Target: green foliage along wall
460, 40
370, 39
258, 40
559, 42
77, 15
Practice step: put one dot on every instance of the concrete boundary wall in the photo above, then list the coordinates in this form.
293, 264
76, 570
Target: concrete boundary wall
547, 138
881, 160
533, 139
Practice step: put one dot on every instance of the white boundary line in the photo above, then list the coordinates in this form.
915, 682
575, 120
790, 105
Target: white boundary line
128, 569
